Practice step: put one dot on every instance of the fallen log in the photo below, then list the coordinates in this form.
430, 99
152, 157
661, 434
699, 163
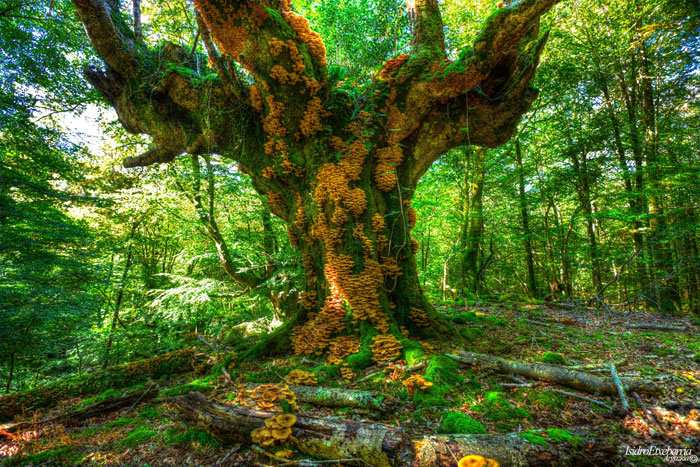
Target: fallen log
95, 383
100, 408
374, 444
558, 375
513, 450
330, 397
658, 327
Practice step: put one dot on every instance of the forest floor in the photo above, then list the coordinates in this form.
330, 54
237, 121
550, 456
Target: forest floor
145, 434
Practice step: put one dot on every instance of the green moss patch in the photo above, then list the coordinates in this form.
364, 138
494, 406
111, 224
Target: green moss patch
495, 407
195, 437
535, 439
198, 385
471, 334
444, 374
137, 437
458, 423
553, 358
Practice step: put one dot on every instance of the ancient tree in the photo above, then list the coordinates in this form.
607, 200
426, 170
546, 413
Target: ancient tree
340, 166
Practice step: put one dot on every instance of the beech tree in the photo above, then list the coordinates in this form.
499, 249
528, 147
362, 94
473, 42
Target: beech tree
338, 164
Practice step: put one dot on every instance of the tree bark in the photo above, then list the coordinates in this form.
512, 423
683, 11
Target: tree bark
558, 374
375, 444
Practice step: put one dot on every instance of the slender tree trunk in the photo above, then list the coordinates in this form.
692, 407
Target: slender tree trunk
473, 225
120, 296
8, 386
138, 29
527, 234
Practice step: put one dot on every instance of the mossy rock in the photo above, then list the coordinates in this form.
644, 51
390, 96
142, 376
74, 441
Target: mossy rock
495, 407
553, 358
470, 334
137, 437
459, 423
464, 318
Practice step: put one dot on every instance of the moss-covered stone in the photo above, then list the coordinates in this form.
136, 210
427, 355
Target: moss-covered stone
553, 358
459, 423
496, 407
464, 318
470, 334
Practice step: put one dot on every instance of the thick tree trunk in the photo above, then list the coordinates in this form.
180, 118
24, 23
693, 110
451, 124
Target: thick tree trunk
558, 374
375, 445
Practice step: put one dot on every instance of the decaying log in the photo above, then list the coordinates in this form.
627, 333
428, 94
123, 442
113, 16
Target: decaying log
558, 374
94, 410
511, 450
331, 397
377, 445
624, 404
96, 383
